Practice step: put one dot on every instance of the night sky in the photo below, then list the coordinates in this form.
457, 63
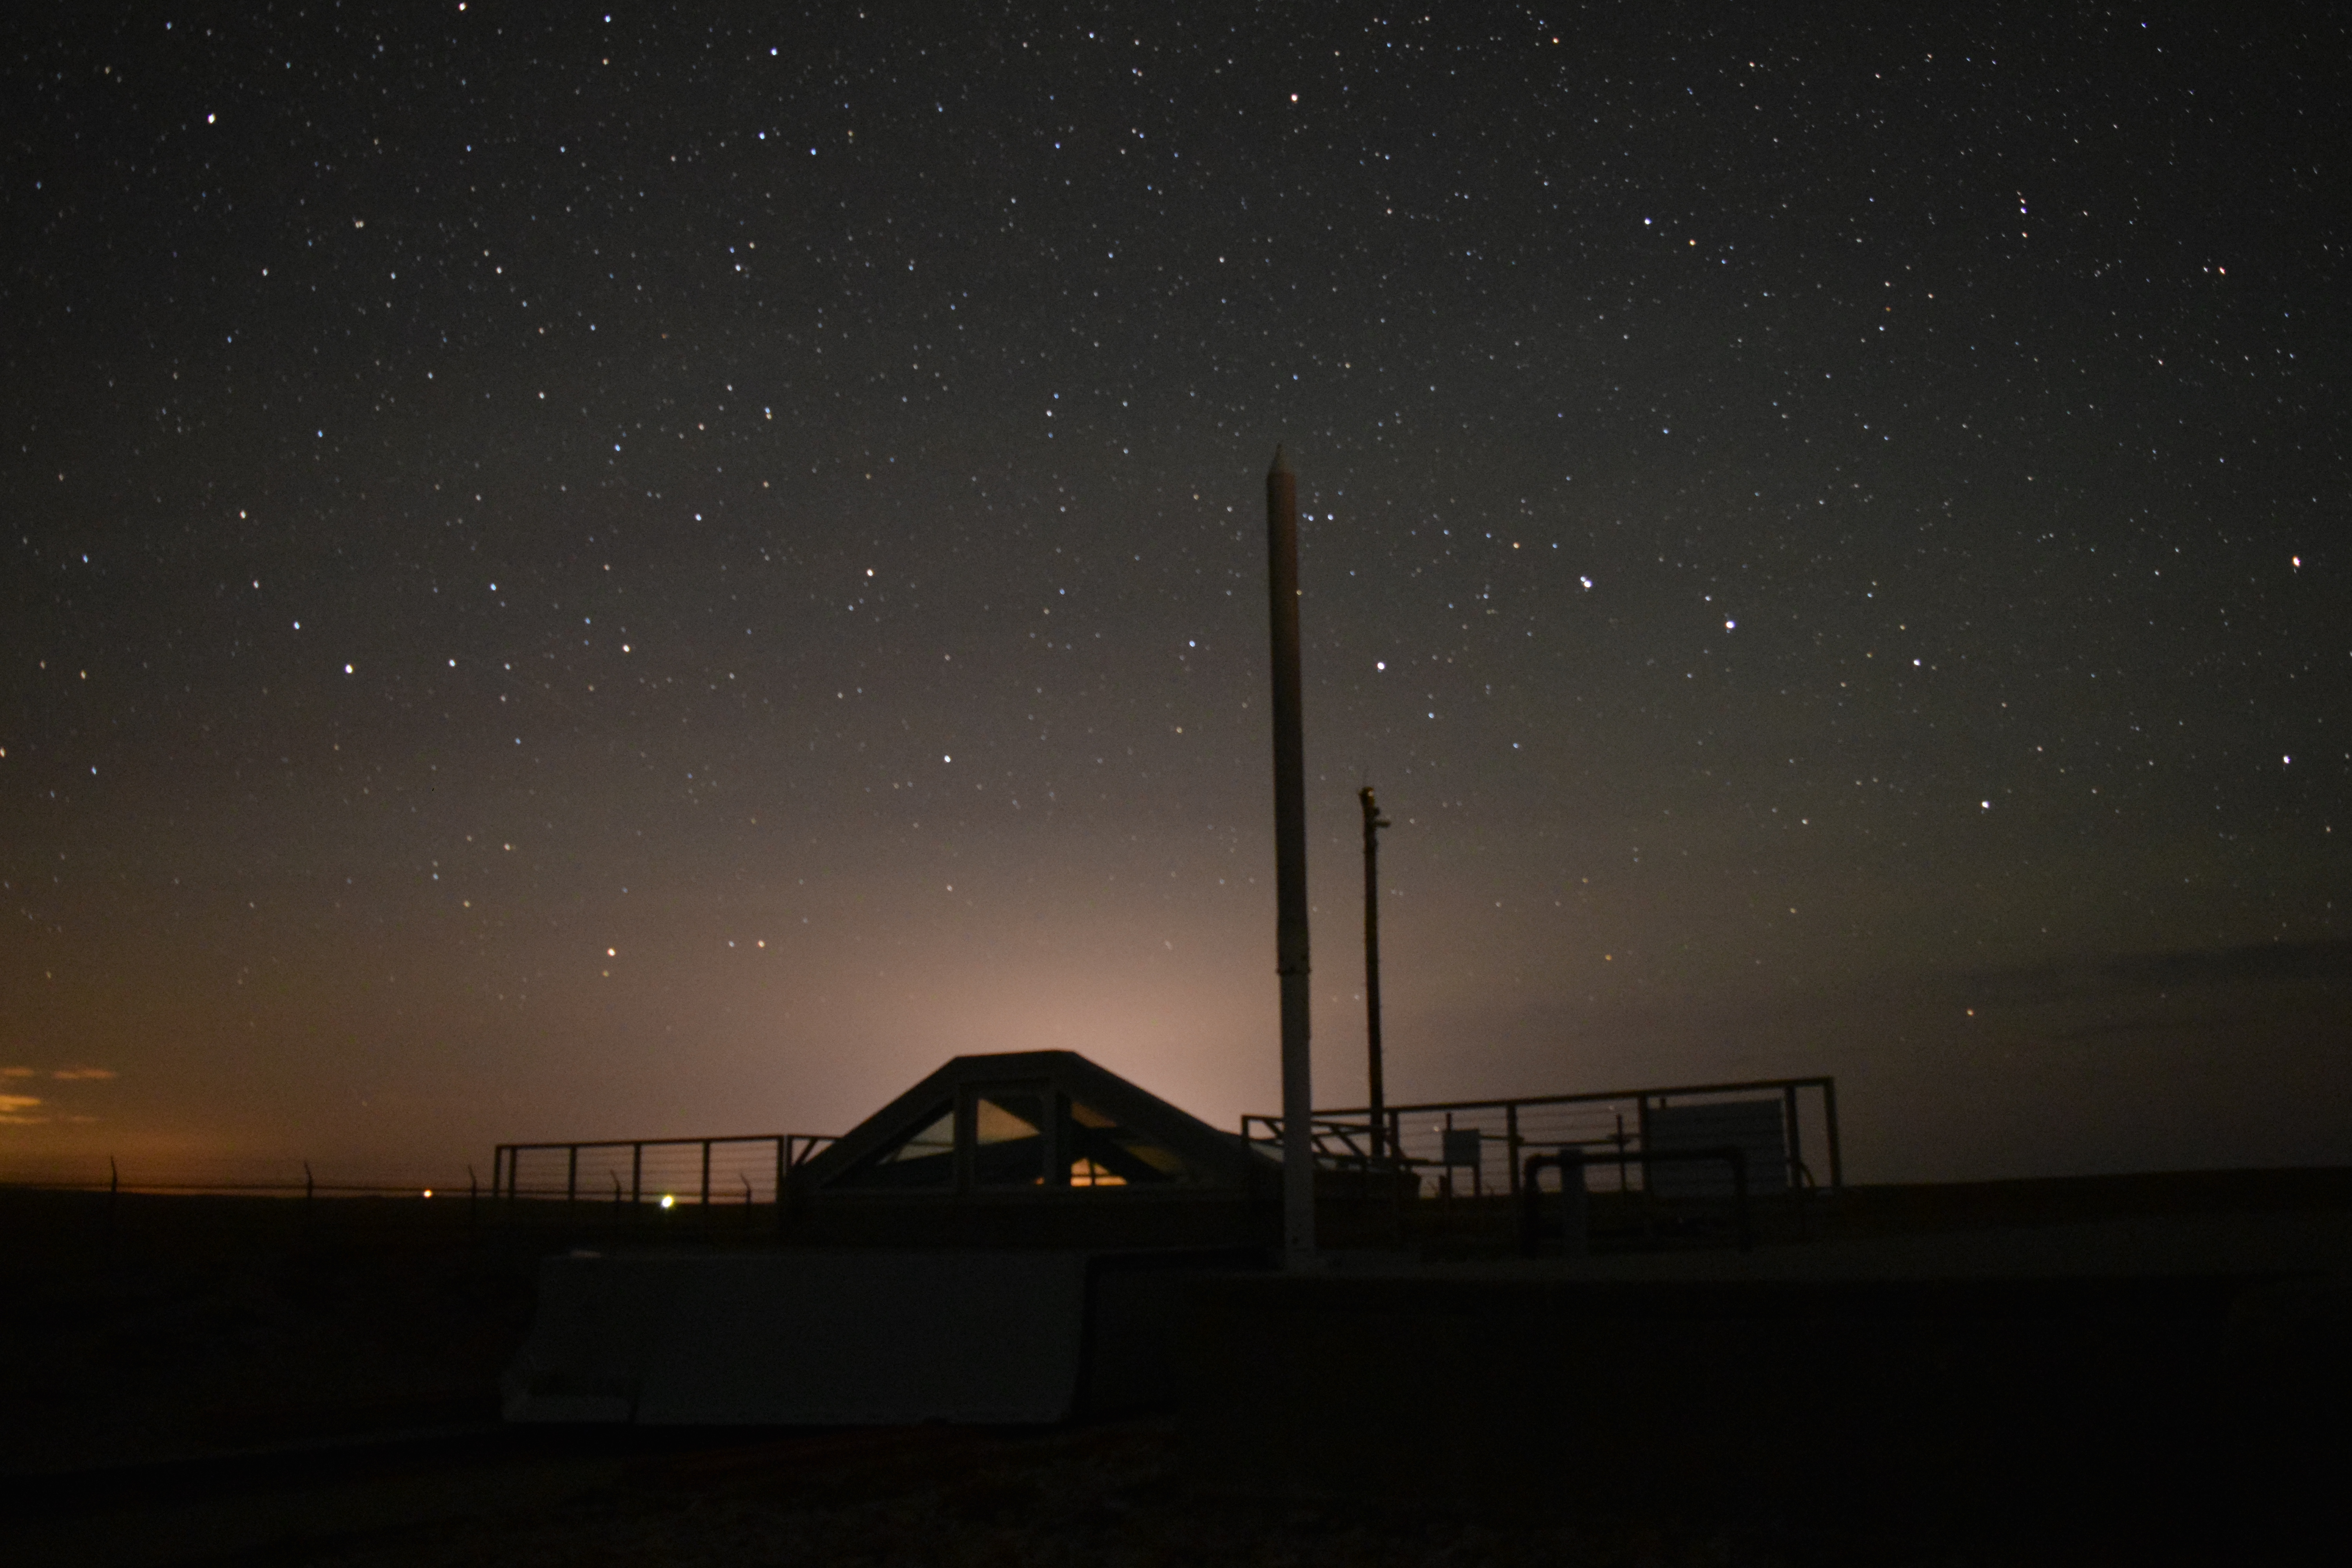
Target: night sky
574, 574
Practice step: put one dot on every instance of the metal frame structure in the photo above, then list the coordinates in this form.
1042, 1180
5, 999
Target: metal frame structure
1214, 1160
1344, 1138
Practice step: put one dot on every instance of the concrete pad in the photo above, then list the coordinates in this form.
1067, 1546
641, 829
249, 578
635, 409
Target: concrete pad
804, 1339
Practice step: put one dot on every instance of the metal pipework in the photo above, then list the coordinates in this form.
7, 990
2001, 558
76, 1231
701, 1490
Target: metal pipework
1290, 864
1571, 1162
1574, 1239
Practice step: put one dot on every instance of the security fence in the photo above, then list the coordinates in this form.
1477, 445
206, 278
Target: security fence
749, 1168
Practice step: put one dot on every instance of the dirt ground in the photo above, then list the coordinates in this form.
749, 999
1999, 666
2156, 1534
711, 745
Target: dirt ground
1109, 1495
1103, 1495
195, 1387
167, 1329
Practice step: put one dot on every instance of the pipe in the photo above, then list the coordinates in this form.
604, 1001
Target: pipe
1374, 823
1574, 1230
1290, 865
1567, 1159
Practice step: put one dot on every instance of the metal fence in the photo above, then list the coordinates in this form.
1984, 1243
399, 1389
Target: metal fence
749, 1168
239, 1178
1479, 1146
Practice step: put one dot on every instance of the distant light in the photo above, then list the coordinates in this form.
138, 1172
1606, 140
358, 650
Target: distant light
668, 1202
428, 1191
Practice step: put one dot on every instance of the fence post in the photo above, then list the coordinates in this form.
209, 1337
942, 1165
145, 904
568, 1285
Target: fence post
1649, 1188
1830, 1129
1446, 1178
637, 1172
571, 1174
784, 1176
1511, 1141
706, 1173
1796, 1154
1797, 1172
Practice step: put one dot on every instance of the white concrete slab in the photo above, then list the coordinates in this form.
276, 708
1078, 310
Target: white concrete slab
804, 1339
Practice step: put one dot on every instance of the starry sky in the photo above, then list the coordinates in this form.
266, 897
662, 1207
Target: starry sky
573, 572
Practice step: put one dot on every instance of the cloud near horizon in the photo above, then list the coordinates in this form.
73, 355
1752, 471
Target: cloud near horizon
2255, 964
70, 1075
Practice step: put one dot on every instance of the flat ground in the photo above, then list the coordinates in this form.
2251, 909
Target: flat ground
1103, 1495
194, 1380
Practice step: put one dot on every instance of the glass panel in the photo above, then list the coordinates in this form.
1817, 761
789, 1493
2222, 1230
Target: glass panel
1009, 1139
1105, 1154
925, 1159
1085, 1173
